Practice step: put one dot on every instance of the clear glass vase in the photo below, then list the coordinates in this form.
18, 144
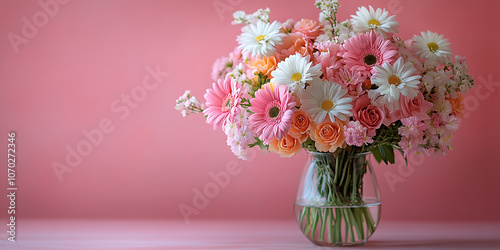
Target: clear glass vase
338, 200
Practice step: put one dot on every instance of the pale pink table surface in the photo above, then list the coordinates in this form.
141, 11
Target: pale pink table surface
165, 234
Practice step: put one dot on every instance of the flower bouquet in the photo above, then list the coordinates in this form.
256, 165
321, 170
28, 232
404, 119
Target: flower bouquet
339, 90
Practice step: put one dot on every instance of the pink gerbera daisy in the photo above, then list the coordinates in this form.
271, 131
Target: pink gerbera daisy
273, 109
222, 101
364, 51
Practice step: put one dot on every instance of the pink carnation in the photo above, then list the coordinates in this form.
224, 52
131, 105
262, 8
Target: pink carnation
328, 57
351, 80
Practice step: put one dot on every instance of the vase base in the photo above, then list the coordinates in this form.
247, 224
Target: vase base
326, 244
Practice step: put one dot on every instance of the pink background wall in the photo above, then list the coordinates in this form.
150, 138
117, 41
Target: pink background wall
67, 75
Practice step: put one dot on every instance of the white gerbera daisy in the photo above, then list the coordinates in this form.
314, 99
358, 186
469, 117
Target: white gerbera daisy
324, 98
395, 80
432, 46
366, 20
295, 71
260, 39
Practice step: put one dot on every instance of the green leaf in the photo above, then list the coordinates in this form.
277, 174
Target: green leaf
383, 153
389, 152
377, 155
260, 143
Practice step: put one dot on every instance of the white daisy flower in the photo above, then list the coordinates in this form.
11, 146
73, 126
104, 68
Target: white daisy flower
366, 20
260, 39
295, 71
396, 80
432, 46
324, 98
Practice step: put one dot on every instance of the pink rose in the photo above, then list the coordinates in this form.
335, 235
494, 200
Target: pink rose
417, 106
391, 116
366, 113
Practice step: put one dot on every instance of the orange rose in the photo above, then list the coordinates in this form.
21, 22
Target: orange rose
292, 43
286, 146
328, 135
300, 126
265, 65
457, 106
310, 28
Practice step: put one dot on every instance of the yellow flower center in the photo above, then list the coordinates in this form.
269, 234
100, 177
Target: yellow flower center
374, 22
260, 38
296, 77
394, 80
433, 47
327, 105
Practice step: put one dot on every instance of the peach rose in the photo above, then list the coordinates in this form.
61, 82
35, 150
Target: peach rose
457, 106
292, 43
265, 65
328, 135
286, 146
310, 28
300, 126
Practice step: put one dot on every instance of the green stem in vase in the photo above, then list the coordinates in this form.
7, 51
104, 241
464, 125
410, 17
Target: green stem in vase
314, 214
307, 227
369, 220
338, 223
329, 223
324, 214
336, 213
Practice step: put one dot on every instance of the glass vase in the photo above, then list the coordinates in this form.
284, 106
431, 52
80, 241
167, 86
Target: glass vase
338, 200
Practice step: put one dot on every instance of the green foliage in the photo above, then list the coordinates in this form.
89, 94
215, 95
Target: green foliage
260, 143
309, 145
384, 152
385, 142
257, 84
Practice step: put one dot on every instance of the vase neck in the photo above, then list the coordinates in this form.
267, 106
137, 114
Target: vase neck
342, 153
